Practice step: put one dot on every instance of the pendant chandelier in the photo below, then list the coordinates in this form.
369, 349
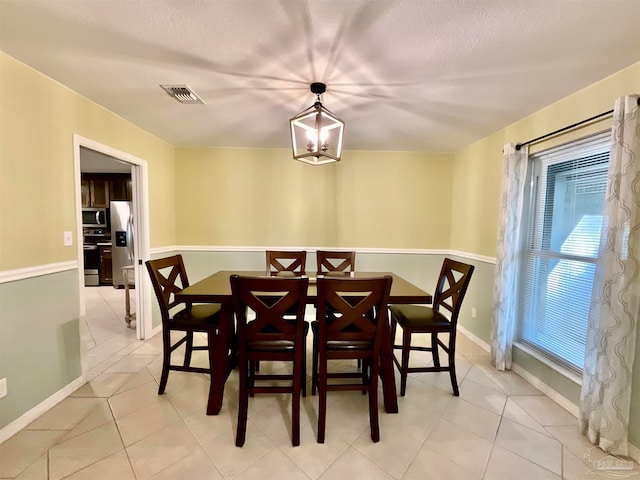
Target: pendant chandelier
316, 133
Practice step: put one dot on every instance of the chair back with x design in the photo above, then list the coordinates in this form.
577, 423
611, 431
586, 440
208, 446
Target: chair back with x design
286, 263
167, 284
353, 331
270, 299
266, 332
169, 277
451, 288
335, 263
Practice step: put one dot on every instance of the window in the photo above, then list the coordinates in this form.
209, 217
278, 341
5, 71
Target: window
561, 238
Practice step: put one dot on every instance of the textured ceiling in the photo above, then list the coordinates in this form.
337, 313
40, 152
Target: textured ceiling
422, 75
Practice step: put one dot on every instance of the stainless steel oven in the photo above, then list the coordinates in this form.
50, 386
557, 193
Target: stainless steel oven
91, 265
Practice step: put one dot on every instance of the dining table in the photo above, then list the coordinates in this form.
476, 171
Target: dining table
216, 288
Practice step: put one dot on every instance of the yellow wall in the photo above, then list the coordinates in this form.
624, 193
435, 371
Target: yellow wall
252, 196
261, 197
477, 169
477, 173
38, 118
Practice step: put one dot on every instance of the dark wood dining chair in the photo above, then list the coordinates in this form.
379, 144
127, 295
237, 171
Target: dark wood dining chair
168, 277
334, 263
286, 263
355, 332
414, 319
269, 337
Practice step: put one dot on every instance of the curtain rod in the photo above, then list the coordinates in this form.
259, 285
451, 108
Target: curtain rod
595, 117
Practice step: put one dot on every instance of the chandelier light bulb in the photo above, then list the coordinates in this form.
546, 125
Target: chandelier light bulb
312, 136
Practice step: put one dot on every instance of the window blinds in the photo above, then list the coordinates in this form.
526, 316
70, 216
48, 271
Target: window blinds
561, 238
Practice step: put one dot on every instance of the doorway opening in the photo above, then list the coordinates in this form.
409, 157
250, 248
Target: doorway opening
113, 229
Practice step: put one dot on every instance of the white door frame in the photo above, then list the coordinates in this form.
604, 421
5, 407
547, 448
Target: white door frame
140, 182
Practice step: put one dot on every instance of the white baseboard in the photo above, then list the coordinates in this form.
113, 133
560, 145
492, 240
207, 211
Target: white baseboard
475, 339
43, 407
532, 379
634, 452
564, 402
154, 332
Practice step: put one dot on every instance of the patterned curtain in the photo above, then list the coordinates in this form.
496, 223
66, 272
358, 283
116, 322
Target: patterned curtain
615, 305
507, 256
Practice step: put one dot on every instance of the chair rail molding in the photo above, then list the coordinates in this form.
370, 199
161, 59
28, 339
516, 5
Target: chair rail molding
37, 271
381, 250
473, 256
47, 269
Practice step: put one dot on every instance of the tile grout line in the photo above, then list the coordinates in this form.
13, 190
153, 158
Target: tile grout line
438, 418
495, 437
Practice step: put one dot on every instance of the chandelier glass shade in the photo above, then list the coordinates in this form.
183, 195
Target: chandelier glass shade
316, 133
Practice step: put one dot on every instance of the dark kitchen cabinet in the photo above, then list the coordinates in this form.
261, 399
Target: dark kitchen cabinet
95, 192
120, 187
106, 266
85, 187
98, 189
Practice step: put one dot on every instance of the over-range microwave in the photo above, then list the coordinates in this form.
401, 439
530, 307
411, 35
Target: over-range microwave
94, 217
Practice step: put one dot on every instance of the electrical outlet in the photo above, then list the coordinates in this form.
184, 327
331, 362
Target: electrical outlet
3, 387
473, 312
68, 239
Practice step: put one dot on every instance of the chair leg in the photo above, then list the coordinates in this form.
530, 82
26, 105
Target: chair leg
303, 368
314, 366
394, 326
373, 408
434, 350
322, 402
252, 374
452, 367
166, 360
295, 406
212, 337
188, 349
243, 405
366, 366
454, 382
406, 348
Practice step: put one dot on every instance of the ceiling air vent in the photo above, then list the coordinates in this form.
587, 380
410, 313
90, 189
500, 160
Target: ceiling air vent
182, 93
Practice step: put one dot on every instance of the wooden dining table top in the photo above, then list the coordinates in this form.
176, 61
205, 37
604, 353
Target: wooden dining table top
216, 288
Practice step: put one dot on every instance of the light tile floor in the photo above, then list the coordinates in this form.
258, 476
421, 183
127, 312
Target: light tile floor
117, 427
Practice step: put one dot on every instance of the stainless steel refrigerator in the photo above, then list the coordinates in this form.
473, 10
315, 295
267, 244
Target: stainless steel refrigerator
122, 253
